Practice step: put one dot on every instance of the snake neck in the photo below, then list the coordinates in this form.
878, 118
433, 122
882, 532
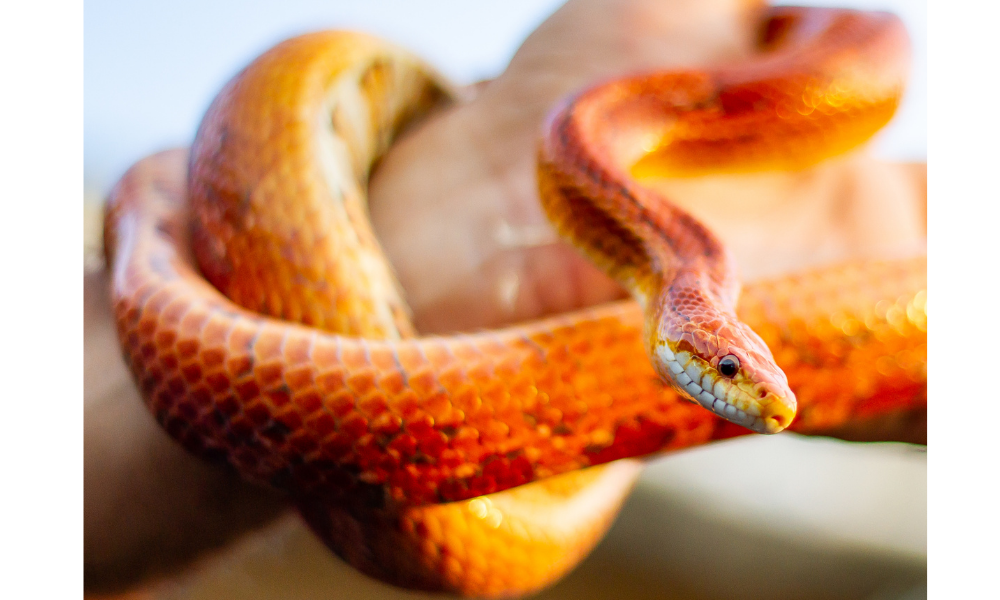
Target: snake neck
634, 234
672, 265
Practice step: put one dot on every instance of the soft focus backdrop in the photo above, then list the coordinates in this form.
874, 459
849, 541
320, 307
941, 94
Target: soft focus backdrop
151, 69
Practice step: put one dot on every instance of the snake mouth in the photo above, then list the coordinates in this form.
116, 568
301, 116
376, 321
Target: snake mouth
760, 407
775, 414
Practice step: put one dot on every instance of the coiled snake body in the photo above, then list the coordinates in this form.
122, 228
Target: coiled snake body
267, 331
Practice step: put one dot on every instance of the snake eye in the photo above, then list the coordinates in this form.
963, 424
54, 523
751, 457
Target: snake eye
729, 365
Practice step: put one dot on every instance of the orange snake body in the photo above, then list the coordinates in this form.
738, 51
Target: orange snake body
458, 463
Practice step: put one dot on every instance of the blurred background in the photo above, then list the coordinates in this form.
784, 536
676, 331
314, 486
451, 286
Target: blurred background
829, 520
151, 69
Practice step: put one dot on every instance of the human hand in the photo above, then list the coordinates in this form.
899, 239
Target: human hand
455, 206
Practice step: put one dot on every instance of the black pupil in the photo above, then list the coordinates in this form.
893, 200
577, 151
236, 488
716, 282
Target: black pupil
727, 367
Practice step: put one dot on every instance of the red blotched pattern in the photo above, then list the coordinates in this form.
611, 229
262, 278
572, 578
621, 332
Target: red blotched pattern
360, 430
450, 463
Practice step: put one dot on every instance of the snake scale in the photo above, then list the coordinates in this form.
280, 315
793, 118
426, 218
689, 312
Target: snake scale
267, 331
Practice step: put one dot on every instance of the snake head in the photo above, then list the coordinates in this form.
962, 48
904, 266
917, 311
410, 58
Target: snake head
731, 372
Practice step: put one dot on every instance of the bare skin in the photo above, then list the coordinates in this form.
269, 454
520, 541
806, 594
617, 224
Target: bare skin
456, 209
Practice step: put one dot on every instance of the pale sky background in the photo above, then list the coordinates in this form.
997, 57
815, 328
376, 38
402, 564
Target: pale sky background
151, 69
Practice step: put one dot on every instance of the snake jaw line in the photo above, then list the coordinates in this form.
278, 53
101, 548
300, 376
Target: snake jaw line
760, 406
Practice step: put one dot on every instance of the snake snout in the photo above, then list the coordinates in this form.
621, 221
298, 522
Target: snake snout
777, 407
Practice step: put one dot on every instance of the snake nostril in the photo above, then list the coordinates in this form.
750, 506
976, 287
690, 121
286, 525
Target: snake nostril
762, 393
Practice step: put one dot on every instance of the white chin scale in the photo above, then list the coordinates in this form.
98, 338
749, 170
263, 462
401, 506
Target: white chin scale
708, 391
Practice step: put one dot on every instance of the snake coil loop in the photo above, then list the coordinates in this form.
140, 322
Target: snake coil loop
266, 330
